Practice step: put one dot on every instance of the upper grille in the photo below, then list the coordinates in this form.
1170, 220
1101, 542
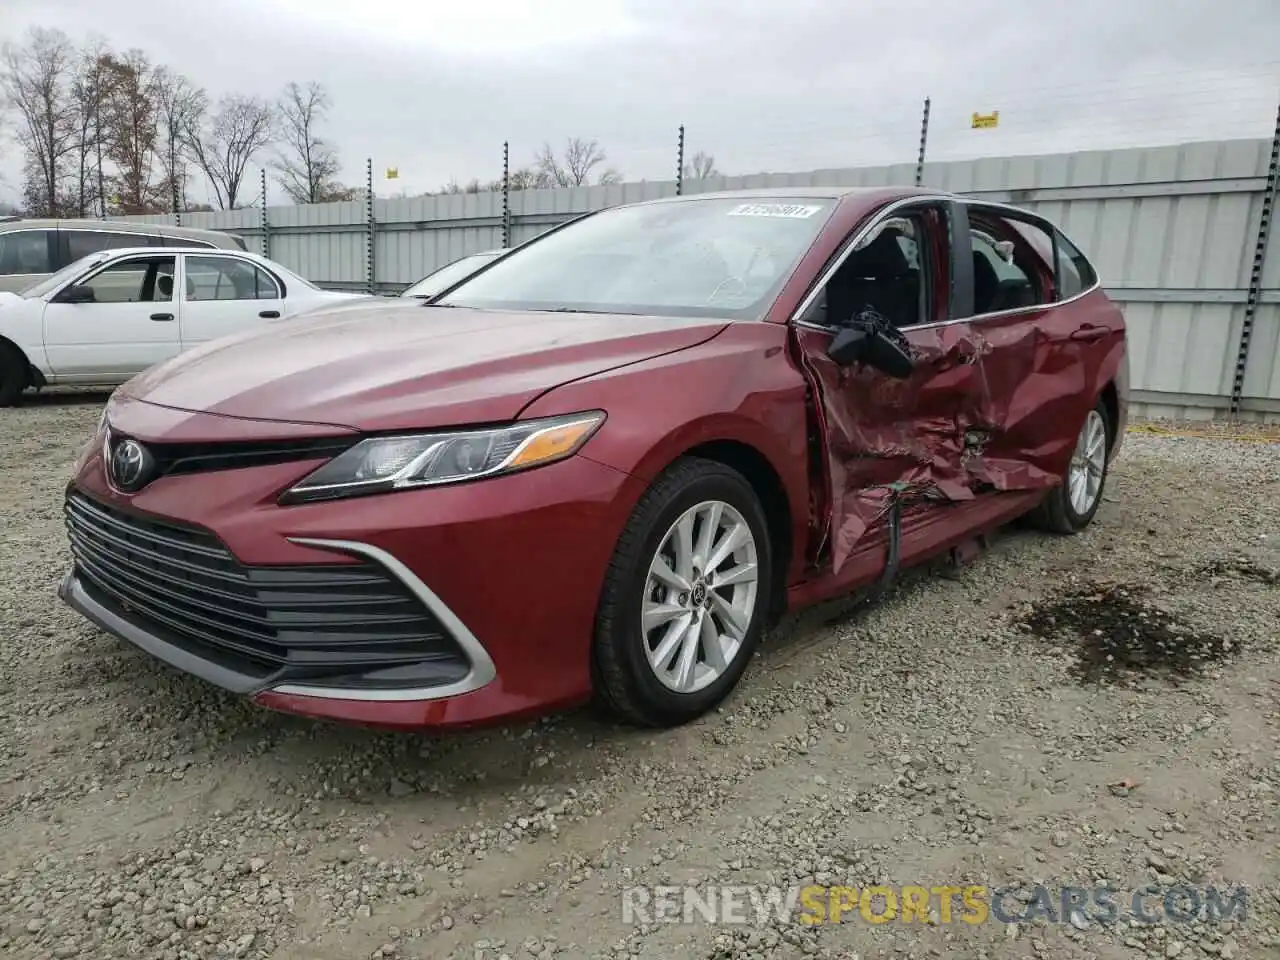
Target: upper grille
283, 623
176, 458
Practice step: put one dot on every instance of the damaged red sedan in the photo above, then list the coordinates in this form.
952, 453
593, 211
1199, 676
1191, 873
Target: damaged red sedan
601, 465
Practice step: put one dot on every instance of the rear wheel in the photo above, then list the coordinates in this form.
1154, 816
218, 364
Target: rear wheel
1070, 507
14, 374
684, 600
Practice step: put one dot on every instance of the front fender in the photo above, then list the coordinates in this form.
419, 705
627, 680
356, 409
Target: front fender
22, 324
739, 387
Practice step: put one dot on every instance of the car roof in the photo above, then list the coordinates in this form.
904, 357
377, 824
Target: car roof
194, 251
118, 226
806, 193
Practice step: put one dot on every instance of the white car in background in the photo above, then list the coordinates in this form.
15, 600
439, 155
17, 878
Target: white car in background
111, 315
457, 271
429, 287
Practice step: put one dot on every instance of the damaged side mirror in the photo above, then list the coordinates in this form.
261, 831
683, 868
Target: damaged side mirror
858, 344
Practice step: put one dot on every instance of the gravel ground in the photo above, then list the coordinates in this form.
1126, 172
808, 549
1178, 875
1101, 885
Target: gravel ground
1061, 711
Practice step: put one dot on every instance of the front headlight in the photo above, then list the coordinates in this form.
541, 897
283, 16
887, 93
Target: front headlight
380, 464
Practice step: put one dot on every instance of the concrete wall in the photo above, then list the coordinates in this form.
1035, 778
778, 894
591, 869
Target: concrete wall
1172, 231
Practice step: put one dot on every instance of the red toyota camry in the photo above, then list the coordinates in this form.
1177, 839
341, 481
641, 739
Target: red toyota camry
599, 466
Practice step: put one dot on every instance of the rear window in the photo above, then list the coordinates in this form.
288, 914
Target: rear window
25, 251
1075, 273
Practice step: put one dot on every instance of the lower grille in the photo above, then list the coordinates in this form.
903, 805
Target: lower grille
341, 621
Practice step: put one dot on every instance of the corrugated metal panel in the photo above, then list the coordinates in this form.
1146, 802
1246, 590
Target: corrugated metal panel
1170, 229
1262, 375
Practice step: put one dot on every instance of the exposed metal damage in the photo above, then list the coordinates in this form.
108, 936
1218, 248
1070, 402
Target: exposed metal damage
979, 412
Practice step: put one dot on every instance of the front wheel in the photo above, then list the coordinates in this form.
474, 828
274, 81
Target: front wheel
684, 600
13, 374
1070, 507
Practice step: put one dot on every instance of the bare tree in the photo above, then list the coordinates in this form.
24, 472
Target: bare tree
700, 166
223, 147
307, 166
6, 130
131, 129
527, 178
88, 91
36, 81
574, 168
180, 106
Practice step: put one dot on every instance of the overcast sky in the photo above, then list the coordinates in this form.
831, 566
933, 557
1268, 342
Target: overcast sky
433, 87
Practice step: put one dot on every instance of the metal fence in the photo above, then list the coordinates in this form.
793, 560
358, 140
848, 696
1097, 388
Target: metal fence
1178, 233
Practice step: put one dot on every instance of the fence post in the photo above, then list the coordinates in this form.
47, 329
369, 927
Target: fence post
680, 162
371, 229
1255, 274
506, 194
266, 221
924, 142
173, 185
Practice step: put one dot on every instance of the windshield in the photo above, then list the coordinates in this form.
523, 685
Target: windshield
716, 257
51, 283
449, 274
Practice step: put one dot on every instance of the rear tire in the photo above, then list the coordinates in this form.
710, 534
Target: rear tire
703, 624
15, 374
1070, 507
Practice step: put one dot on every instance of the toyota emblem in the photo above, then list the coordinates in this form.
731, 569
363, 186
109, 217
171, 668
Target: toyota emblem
130, 465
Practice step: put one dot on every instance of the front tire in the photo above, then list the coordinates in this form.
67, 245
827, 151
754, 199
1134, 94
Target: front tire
685, 598
14, 374
1070, 506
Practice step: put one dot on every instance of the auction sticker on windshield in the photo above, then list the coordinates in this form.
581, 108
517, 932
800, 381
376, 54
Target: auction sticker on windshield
794, 211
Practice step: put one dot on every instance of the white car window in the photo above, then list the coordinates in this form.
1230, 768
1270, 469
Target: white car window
25, 251
226, 278
69, 272
143, 280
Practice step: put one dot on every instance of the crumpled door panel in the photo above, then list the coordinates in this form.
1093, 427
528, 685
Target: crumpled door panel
996, 408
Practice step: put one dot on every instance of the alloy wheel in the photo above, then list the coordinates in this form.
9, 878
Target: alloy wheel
700, 596
1088, 464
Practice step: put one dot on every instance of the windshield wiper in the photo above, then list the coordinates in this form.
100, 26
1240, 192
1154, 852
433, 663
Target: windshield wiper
615, 313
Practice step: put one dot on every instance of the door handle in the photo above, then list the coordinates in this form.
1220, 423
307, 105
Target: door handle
1089, 331
270, 314
162, 316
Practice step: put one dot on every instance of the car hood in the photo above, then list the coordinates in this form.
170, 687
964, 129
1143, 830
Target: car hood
7, 298
409, 368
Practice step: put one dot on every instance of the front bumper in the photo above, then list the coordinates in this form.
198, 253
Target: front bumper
508, 569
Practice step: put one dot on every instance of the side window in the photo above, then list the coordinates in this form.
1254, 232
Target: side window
225, 278
1075, 273
1010, 264
887, 273
145, 280
81, 243
25, 251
